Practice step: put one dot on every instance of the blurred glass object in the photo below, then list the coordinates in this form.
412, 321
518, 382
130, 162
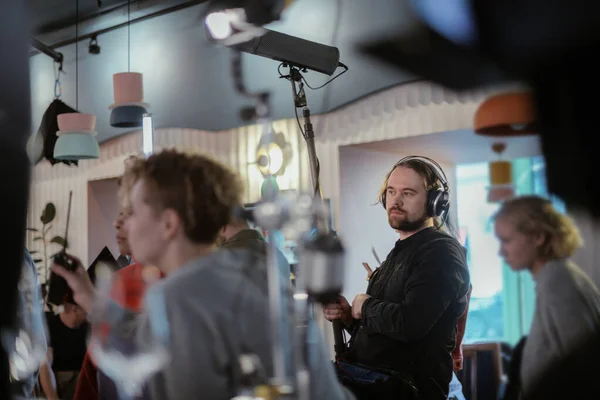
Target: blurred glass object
26, 342
127, 346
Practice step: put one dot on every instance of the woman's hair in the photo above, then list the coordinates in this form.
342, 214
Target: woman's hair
203, 192
534, 215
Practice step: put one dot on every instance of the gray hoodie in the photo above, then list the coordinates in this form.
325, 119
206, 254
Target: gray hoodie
217, 308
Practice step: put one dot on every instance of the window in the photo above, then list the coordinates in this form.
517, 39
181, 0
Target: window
502, 302
485, 320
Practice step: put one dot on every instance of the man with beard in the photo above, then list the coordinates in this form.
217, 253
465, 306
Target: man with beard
404, 327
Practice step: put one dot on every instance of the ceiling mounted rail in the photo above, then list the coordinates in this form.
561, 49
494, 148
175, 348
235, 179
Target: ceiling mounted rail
104, 10
47, 50
99, 32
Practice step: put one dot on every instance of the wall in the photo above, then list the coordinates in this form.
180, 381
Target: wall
103, 208
407, 110
234, 148
364, 225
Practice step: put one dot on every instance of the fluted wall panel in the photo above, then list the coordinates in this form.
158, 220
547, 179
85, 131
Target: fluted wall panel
413, 109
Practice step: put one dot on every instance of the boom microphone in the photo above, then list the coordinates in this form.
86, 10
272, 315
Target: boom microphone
291, 50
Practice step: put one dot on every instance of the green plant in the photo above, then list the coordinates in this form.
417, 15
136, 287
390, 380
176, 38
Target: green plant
40, 256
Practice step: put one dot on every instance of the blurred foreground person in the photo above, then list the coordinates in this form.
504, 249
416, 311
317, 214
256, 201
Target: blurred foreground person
534, 236
67, 343
30, 312
93, 384
216, 301
239, 235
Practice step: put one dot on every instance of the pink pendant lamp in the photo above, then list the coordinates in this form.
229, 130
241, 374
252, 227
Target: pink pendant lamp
76, 132
128, 89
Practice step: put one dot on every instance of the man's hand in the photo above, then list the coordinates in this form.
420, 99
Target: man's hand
339, 310
367, 267
80, 283
357, 304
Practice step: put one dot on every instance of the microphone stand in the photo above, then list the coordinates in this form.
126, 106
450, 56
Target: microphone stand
303, 306
321, 288
299, 96
279, 383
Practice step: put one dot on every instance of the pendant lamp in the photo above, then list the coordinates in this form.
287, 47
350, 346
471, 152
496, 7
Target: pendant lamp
128, 89
76, 137
501, 184
76, 134
506, 114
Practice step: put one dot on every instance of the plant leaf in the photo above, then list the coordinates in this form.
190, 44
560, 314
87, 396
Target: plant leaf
35, 239
37, 260
48, 214
32, 229
59, 240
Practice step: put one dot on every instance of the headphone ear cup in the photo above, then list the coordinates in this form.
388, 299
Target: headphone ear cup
382, 200
432, 196
444, 203
437, 202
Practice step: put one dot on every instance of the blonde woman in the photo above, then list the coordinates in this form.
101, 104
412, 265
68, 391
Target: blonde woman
534, 236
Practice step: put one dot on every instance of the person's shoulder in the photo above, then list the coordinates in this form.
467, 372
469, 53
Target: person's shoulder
131, 271
206, 270
437, 239
563, 273
439, 250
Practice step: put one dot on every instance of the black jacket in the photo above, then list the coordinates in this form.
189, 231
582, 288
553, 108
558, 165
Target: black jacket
409, 323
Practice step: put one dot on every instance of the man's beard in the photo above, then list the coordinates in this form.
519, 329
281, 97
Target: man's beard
406, 224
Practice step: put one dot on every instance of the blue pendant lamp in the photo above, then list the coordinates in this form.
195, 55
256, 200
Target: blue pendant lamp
128, 88
76, 146
76, 135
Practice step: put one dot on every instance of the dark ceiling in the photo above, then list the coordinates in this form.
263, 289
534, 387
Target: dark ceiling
169, 43
53, 21
50, 15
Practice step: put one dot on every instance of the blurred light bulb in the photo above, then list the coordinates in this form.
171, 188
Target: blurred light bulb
219, 25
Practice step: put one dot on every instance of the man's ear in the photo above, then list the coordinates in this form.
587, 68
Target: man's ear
171, 223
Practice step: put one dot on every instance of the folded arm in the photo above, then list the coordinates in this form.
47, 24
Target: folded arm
439, 278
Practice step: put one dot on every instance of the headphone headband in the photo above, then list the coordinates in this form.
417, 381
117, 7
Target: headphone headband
437, 170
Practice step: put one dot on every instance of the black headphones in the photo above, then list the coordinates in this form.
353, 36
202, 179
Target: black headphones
438, 199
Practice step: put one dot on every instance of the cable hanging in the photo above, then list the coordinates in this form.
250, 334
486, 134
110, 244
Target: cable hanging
77, 55
128, 35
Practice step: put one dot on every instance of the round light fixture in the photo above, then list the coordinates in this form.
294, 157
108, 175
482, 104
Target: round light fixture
273, 154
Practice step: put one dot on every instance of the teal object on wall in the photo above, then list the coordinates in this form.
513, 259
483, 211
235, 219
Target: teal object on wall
269, 188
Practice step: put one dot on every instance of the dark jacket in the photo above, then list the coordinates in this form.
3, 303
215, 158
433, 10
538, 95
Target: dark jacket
409, 323
246, 239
